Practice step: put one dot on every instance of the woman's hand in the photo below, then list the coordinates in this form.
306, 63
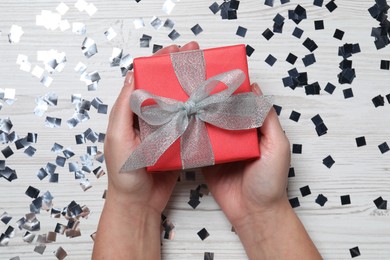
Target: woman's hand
129, 226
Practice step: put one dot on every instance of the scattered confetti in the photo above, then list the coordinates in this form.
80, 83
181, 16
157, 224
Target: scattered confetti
355, 252
294, 202
203, 234
321, 200
15, 34
328, 161
305, 191
345, 199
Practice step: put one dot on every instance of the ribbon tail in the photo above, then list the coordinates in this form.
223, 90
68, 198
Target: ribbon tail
196, 149
155, 144
239, 112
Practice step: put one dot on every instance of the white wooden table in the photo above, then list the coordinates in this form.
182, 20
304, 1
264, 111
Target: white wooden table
361, 172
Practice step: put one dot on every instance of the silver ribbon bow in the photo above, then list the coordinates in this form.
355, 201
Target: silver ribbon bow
170, 119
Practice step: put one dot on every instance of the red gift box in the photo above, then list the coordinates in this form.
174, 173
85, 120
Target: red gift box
156, 75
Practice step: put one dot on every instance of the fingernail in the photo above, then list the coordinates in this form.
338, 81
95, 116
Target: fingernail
256, 89
129, 78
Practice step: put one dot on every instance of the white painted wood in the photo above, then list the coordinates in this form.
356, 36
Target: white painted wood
361, 172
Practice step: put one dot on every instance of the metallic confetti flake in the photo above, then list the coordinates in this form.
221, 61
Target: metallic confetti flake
75, 98
102, 109
51, 236
78, 175
110, 34
91, 9
30, 151
68, 153
169, 24
73, 233
73, 166
80, 68
126, 61
5, 218
168, 6
9, 93
40, 249
60, 161
79, 28
4, 240
5, 125
31, 223
85, 184
49, 20
28, 237
138, 23
57, 148
53, 178
55, 213
50, 167
60, 229
41, 239
156, 23
37, 71
99, 157
81, 5
46, 81
89, 47
173, 35
80, 139
99, 172
101, 137
15, 34
116, 57
62, 8
53, 122
41, 174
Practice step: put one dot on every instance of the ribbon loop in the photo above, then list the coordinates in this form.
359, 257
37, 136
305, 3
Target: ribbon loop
168, 120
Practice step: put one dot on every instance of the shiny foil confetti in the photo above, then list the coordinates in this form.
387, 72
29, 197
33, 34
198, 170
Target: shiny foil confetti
89, 47
15, 34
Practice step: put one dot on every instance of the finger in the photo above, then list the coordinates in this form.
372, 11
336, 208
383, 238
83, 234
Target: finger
167, 50
271, 125
190, 46
121, 117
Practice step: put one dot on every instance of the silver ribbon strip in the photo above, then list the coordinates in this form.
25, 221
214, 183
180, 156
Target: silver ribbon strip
169, 119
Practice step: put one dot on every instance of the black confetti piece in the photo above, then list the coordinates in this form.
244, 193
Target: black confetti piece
270, 60
319, 25
331, 6
294, 202
249, 50
214, 8
385, 64
360, 141
269, 3
305, 191
297, 148
156, 47
378, 101
268, 34
380, 203
330, 88
203, 234
328, 161
297, 32
321, 200
291, 58
310, 44
309, 59
294, 116
313, 89
32, 192
318, 3
388, 98
338, 34
348, 93
355, 252
291, 172
298, 14
241, 31
173, 35
345, 199
208, 256
384, 147
278, 109
196, 29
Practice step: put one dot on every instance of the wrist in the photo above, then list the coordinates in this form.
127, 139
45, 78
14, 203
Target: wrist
264, 221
